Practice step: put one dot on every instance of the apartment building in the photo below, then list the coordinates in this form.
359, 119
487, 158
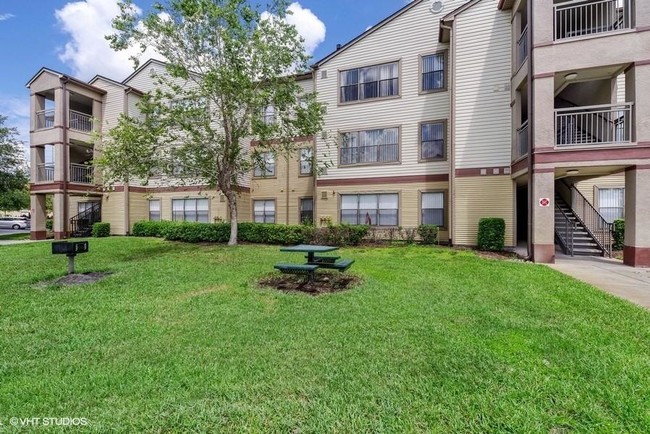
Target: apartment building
445, 112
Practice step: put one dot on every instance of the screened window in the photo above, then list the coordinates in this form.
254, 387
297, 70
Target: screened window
370, 209
432, 141
268, 169
433, 72
371, 82
307, 210
154, 210
190, 210
305, 161
264, 211
371, 146
268, 115
611, 203
433, 209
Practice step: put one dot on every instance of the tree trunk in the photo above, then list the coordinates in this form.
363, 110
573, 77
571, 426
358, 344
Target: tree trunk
232, 205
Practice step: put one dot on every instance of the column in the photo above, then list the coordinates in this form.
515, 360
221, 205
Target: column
543, 216
636, 251
59, 223
39, 216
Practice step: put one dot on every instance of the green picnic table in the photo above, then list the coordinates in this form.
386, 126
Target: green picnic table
313, 262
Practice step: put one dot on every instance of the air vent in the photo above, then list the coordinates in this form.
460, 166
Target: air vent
323, 74
436, 6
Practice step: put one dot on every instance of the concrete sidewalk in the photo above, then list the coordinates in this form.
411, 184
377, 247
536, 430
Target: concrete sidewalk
610, 275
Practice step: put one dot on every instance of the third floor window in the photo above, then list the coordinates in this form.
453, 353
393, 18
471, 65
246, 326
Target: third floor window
377, 81
433, 72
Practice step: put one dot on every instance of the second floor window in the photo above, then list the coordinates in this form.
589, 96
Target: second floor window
433, 72
371, 82
305, 161
370, 146
268, 166
268, 115
432, 141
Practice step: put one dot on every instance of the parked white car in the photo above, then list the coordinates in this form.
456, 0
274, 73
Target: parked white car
12, 223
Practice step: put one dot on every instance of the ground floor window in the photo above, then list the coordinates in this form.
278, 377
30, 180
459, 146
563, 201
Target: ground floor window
154, 210
370, 209
433, 209
190, 210
611, 203
306, 210
264, 211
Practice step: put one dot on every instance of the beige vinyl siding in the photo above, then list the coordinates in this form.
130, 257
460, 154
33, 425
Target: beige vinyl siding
113, 212
588, 187
409, 201
482, 86
132, 105
620, 89
478, 197
403, 40
113, 103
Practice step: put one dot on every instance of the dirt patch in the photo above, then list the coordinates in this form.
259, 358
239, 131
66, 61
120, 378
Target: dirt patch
498, 255
324, 283
77, 279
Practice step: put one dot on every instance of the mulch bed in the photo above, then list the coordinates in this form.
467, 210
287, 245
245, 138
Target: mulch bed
324, 283
78, 279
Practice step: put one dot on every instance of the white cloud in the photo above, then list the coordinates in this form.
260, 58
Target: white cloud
16, 109
4, 17
87, 52
309, 26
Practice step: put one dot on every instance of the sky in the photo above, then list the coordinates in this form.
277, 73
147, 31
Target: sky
68, 36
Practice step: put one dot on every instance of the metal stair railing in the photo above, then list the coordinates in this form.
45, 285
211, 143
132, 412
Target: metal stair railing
570, 227
594, 223
83, 222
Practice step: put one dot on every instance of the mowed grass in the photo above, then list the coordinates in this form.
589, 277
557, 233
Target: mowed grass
15, 236
180, 338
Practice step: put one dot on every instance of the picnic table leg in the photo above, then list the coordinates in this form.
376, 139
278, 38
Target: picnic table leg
310, 257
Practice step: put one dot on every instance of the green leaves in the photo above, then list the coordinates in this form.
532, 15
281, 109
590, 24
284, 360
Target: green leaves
13, 167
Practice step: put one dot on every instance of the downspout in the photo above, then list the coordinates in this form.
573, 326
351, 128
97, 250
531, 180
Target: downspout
531, 129
127, 192
287, 160
452, 126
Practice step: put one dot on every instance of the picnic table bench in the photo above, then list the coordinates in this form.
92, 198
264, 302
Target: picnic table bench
313, 261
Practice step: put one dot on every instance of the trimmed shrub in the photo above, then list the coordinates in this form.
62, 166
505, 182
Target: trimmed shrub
491, 234
428, 234
618, 232
151, 229
336, 235
197, 232
101, 230
49, 224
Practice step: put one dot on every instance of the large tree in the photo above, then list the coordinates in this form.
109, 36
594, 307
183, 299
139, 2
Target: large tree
13, 167
228, 64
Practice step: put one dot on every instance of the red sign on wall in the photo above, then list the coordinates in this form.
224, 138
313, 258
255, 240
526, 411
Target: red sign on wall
545, 202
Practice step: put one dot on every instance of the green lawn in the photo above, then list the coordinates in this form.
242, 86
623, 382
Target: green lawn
16, 236
180, 338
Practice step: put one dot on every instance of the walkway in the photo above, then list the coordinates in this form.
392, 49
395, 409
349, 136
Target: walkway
610, 275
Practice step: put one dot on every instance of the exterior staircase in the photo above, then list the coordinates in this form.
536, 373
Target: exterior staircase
82, 223
572, 234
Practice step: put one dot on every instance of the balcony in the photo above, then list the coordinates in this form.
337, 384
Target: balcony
369, 154
80, 121
583, 18
522, 48
79, 173
521, 145
593, 125
44, 119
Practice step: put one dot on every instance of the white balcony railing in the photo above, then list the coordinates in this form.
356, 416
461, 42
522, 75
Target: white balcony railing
522, 48
82, 173
44, 119
521, 145
593, 125
81, 121
45, 172
587, 17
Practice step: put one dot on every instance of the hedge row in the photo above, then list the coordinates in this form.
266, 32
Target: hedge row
101, 229
491, 234
619, 234
262, 233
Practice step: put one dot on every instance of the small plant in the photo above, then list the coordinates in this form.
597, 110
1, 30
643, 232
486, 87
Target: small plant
491, 234
101, 230
408, 234
618, 232
49, 224
428, 234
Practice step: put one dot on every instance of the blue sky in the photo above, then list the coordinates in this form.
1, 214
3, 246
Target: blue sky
67, 36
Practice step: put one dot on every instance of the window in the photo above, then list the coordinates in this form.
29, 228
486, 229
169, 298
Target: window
307, 210
269, 166
433, 72
84, 206
190, 210
433, 209
370, 209
611, 203
367, 83
264, 211
371, 146
305, 161
154, 210
432, 141
268, 115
